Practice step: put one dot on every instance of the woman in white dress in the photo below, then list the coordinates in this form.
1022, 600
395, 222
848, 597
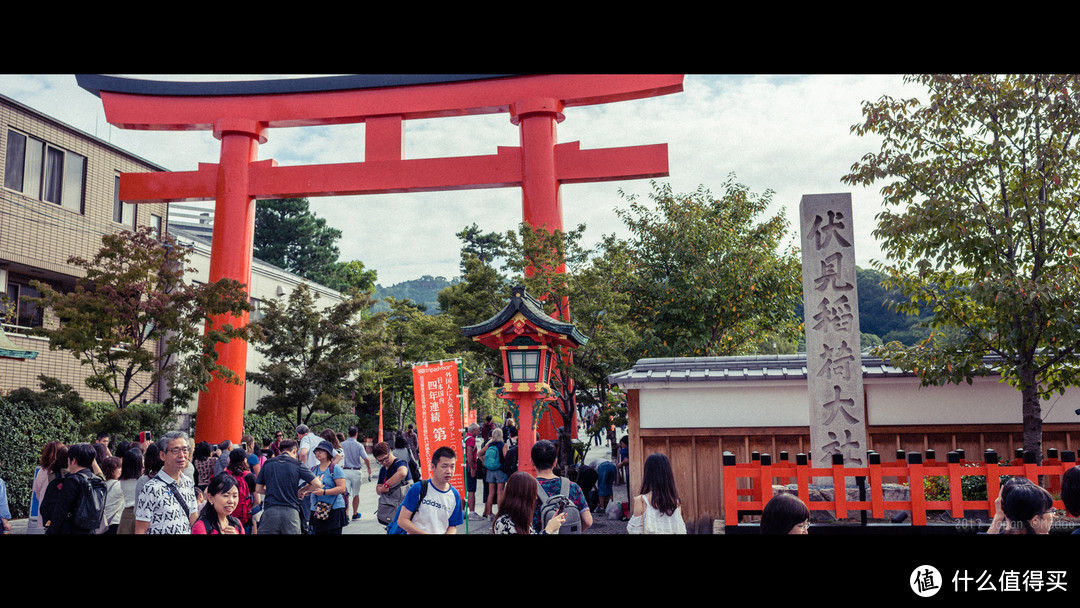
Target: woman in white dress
656, 508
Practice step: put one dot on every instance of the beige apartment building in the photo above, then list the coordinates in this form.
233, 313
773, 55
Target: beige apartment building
58, 197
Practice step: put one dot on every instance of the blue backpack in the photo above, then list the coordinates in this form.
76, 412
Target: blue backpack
493, 458
393, 527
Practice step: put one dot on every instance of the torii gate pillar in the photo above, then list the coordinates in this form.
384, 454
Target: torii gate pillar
541, 205
231, 247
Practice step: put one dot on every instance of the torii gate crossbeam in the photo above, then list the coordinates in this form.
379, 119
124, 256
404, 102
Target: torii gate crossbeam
241, 113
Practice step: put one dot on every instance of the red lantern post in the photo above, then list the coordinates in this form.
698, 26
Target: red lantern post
527, 339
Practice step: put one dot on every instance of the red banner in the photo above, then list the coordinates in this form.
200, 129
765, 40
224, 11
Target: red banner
438, 415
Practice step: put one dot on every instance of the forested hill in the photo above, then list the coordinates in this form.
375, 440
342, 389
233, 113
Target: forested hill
875, 317
424, 290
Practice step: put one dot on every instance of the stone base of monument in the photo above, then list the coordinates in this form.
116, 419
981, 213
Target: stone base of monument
825, 492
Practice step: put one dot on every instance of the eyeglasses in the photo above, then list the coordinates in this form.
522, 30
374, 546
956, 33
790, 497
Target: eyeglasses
179, 450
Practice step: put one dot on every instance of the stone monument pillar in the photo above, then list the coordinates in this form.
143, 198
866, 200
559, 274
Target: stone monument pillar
831, 314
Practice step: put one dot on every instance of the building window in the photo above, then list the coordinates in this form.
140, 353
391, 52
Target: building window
123, 213
43, 171
24, 313
155, 226
258, 313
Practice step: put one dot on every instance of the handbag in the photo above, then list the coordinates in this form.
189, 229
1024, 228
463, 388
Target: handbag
388, 502
324, 504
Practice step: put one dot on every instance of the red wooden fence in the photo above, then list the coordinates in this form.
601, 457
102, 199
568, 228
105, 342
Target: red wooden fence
763, 473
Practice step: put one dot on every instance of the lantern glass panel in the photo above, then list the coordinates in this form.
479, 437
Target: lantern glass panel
524, 365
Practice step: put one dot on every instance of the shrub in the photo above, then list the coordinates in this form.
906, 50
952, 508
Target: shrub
28, 425
128, 422
972, 487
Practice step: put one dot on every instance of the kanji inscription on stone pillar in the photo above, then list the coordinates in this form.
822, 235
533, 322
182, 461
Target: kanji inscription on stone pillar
831, 312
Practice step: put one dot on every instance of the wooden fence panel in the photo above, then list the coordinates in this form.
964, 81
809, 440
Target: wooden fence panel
759, 475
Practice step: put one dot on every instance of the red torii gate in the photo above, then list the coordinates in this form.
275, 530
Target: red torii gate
240, 114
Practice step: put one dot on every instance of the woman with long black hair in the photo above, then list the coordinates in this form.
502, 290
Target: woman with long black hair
518, 507
656, 507
131, 470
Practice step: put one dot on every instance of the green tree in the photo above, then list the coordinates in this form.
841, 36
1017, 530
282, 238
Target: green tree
318, 359
600, 304
482, 291
289, 236
590, 289
980, 189
486, 246
134, 320
709, 278
414, 337
350, 276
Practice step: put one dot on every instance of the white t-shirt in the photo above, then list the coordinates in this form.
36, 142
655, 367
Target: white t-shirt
157, 506
437, 512
309, 442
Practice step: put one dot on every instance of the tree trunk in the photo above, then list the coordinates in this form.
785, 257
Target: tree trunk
1032, 420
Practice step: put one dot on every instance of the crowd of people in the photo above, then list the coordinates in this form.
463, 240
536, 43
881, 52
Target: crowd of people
173, 486
307, 484
304, 486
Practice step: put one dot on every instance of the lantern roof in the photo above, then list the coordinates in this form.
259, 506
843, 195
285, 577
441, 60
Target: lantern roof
530, 309
9, 350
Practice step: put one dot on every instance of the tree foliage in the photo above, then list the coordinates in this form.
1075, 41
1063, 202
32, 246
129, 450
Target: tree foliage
317, 358
289, 236
980, 185
414, 337
482, 292
709, 278
133, 319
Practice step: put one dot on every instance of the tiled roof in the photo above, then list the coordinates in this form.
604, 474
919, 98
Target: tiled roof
737, 368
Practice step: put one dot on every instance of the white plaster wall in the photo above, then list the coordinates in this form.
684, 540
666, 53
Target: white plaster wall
773, 403
889, 401
985, 401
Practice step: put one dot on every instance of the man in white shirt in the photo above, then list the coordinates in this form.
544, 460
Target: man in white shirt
354, 475
306, 455
167, 503
307, 442
440, 510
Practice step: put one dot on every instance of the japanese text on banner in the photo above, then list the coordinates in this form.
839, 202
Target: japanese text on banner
438, 414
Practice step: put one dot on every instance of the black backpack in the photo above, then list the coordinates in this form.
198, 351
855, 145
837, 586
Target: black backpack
510, 461
91, 510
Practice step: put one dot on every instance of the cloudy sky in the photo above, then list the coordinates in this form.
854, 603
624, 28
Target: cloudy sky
786, 133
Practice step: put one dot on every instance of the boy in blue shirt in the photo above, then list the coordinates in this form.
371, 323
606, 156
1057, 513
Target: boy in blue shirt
440, 511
